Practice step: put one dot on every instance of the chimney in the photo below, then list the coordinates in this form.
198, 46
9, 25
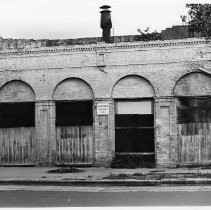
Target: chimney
105, 23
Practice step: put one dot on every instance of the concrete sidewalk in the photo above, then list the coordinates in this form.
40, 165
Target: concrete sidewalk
104, 176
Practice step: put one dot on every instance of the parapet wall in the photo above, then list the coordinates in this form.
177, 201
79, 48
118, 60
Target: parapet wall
20, 44
174, 32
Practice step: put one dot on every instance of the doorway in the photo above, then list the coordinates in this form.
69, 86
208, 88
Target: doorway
17, 133
74, 132
134, 129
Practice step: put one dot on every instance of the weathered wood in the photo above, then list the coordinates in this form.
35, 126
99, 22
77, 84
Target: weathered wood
74, 144
17, 145
194, 142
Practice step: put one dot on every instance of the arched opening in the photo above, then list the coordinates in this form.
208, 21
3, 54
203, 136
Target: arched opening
134, 119
193, 92
74, 122
17, 123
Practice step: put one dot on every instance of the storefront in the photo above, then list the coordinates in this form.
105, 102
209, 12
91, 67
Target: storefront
74, 122
134, 118
17, 124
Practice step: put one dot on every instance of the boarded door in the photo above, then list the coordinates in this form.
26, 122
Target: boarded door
194, 130
74, 131
74, 144
17, 133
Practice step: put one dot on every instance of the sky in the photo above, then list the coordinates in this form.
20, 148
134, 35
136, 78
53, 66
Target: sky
67, 19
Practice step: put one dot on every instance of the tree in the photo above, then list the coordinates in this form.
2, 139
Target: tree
184, 18
146, 36
199, 18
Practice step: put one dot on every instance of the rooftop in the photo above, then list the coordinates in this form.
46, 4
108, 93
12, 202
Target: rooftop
177, 33
28, 47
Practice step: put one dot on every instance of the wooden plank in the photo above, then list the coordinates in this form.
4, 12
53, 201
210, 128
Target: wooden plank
62, 149
90, 133
75, 144
87, 145
185, 143
8, 145
201, 140
209, 139
194, 142
80, 143
68, 150
203, 150
196, 153
205, 143
13, 145
57, 144
16, 145
85, 158
1, 148
182, 146
187, 148
73, 139
72, 147
32, 145
179, 141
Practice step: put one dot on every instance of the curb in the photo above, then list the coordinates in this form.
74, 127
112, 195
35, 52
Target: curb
126, 182
82, 182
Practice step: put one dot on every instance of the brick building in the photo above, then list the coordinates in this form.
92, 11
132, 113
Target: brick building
86, 104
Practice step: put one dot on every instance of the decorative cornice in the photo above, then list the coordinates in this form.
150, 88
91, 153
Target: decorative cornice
102, 47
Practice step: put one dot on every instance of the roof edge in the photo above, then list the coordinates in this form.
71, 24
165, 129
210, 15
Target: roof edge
102, 46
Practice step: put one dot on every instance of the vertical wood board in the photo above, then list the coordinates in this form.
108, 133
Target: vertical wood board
17, 145
74, 144
194, 142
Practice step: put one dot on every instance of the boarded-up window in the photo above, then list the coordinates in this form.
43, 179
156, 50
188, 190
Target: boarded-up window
17, 115
194, 129
192, 110
74, 113
74, 141
134, 121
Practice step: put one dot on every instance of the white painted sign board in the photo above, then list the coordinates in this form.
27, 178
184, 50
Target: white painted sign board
102, 109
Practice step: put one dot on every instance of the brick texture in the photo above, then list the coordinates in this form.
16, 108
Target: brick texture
160, 63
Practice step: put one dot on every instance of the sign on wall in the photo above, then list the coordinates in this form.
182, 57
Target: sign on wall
102, 109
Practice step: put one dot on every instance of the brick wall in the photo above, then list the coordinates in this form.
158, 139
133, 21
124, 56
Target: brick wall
178, 32
162, 63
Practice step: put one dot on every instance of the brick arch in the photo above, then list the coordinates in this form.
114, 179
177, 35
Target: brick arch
133, 86
73, 89
193, 84
16, 91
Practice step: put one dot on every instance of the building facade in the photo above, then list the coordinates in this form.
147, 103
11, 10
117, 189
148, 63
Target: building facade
86, 104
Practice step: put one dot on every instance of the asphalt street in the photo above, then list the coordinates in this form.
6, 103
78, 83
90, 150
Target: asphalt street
55, 196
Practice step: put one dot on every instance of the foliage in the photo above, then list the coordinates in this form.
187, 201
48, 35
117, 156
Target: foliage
146, 36
183, 18
200, 18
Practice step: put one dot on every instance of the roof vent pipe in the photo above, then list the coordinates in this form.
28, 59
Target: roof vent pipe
106, 23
